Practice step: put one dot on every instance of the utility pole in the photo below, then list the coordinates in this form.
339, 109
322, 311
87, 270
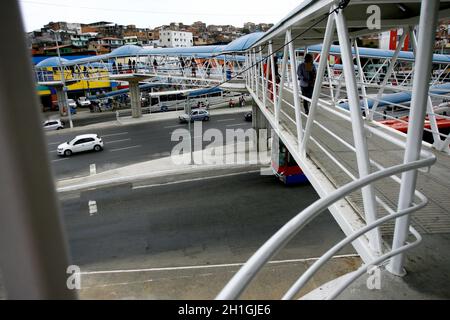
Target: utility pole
63, 80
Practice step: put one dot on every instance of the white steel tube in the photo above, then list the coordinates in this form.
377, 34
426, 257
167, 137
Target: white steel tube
318, 84
244, 276
362, 153
437, 142
388, 72
427, 28
274, 80
394, 253
256, 72
330, 82
305, 277
281, 88
295, 89
361, 77
264, 79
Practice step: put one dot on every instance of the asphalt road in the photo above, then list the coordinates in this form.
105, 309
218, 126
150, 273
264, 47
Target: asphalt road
129, 144
208, 218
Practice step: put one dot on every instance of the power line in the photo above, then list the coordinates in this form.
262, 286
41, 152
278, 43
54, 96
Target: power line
141, 11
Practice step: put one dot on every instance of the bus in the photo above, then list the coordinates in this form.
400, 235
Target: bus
284, 165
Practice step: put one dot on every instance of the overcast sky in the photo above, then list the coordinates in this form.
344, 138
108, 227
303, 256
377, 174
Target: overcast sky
153, 13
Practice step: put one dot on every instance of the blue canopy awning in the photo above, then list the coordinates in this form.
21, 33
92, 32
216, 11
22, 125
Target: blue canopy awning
380, 53
202, 92
243, 43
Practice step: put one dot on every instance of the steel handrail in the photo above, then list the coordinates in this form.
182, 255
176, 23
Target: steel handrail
245, 275
308, 274
350, 147
355, 275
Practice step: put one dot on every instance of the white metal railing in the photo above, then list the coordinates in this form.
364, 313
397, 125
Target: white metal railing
328, 109
281, 105
167, 66
280, 239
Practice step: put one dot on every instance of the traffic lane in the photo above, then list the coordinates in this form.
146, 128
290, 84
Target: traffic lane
131, 146
142, 128
205, 221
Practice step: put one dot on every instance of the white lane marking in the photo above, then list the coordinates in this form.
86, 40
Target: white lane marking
177, 126
54, 143
194, 179
114, 134
126, 148
267, 171
52, 151
235, 125
117, 141
92, 207
186, 136
57, 160
223, 120
93, 169
209, 266
70, 196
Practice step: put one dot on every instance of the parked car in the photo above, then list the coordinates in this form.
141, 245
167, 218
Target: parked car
196, 115
72, 105
85, 142
50, 125
248, 116
84, 102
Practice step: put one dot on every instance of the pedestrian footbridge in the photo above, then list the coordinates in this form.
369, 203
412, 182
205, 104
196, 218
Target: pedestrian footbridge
385, 189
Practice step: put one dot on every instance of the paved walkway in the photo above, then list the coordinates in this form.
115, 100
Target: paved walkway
433, 221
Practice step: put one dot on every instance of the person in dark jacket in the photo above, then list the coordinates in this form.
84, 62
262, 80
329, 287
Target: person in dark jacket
306, 73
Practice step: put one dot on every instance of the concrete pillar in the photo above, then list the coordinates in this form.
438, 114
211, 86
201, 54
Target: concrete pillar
136, 110
61, 100
259, 122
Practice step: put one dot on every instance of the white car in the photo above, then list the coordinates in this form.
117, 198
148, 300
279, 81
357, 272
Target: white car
53, 125
71, 103
196, 115
84, 102
85, 142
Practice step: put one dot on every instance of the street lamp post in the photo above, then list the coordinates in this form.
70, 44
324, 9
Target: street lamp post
190, 133
63, 80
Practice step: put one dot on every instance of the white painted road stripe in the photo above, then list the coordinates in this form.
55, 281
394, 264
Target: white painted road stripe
195, 179
177, 126
117, 141
92, 207
57, 160
93, 169
223, 120
210, 266
114, 134
266, 171
126, 148
54, 143
235, 125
